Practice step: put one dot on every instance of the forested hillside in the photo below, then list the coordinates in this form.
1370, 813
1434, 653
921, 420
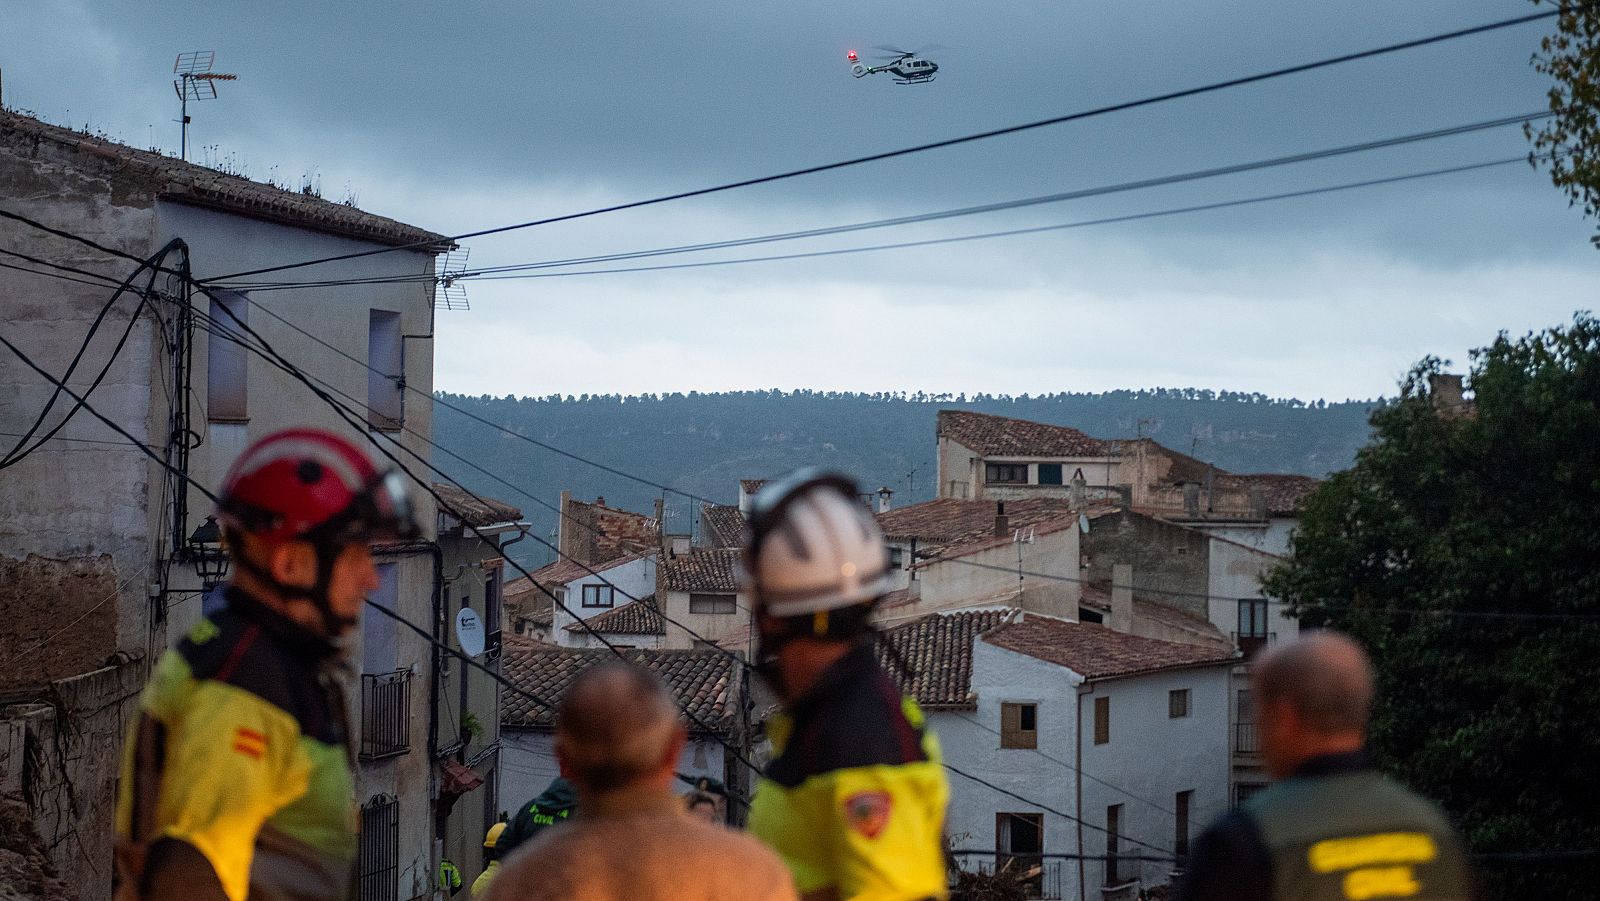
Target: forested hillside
702, 444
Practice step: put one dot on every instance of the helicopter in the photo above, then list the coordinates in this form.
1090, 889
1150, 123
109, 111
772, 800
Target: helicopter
908, 67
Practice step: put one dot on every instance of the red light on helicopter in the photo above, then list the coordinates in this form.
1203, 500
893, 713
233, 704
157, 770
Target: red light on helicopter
852, 56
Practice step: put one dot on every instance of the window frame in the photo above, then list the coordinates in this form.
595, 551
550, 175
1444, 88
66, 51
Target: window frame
1057, 469
386, 391
700, 601
226, 358
1012, 733
993, 471
1179, 703
606, 591
1102, 720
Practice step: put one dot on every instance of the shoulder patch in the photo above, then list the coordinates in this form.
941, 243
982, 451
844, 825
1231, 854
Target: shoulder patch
868, 812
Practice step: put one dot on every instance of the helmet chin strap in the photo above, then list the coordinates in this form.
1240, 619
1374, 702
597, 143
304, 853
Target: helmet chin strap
327, 556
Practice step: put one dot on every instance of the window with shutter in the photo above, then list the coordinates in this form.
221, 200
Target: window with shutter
1102, 720
1178, 703
1019, 726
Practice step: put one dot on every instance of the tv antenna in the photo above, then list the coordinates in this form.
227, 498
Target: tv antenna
195, 81
451, 293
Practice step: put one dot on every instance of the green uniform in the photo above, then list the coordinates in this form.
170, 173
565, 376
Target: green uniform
554, 805
1337, 830
237, 774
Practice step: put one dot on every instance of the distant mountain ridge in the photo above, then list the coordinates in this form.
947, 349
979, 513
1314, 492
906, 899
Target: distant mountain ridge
702, 444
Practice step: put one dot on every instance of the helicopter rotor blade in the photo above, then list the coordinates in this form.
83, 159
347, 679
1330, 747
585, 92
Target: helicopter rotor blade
887, 49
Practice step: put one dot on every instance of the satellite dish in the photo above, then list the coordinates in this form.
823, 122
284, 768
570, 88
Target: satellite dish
469, 632
1083, 523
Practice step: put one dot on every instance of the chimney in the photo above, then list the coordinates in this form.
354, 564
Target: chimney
661, 523
885, 494
1191, 500
563, 534
1121, 597
1002, 523
600, 501
745, 497
1080, 492
1447, 393
1258, 502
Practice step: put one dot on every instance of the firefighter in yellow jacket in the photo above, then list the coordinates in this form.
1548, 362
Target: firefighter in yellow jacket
237, 782
855, 799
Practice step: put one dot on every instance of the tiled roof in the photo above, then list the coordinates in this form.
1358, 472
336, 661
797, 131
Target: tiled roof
1163, 616
1096, 652
523, 599
953, 526
564, 571
163, 176
1001, 435
476, 511
595, 532
721, 524
937, 648
751, 486
702, 569
1284, 493
702, 681
639, 617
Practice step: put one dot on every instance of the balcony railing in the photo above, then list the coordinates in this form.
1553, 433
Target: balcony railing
1251, 645
1039, 877
1246, 738
385, 714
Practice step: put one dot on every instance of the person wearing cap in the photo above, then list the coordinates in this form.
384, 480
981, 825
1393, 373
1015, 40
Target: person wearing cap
480, 886
854, 800
236, 779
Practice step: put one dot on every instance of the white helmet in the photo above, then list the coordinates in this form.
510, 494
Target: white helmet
813, 547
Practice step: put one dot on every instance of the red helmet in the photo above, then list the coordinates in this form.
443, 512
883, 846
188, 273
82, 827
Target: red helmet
307, 484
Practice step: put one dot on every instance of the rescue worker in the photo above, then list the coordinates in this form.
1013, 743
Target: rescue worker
552, 807
854, 800
491, 856
236, 780
1333, 827
449, 877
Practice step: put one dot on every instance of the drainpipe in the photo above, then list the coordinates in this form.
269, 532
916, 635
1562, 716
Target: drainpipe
437, 554
1084, 690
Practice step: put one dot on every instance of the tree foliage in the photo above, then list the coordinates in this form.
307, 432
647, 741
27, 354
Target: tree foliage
1569, 142
1493, 510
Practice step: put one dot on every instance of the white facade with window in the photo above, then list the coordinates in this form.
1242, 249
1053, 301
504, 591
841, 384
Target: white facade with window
587, 596
1166, 752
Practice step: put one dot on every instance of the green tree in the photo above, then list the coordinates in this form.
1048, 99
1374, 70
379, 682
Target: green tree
1489, 508
1569, 142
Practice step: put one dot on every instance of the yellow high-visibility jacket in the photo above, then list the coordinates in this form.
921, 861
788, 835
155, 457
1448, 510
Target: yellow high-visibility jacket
241, 753
855, 799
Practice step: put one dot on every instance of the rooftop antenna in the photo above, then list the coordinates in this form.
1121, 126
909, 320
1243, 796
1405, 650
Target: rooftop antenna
195, 81
452, 295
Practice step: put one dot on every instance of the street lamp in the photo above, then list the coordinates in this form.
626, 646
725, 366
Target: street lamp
205, 551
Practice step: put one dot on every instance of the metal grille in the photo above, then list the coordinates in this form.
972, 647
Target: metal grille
379, 856
385, 714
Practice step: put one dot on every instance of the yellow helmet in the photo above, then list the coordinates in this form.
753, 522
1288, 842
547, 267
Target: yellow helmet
494, 834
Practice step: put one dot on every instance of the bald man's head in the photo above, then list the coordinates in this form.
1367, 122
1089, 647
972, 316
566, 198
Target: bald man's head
616, 726
1324, 677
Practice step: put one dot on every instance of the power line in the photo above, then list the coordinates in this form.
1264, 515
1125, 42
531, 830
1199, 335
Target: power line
934, 145
1067, 816
997, 206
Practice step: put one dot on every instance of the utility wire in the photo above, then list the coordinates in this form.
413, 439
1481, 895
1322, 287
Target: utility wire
934, 145
997, 206
1067, 816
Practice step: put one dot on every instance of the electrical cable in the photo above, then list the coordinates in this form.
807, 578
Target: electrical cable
18, 452
55, 275
478, 274
1066, 816
934, 145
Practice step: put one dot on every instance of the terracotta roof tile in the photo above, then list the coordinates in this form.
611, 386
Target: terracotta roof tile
477, 511
702, 569
751, 486
1284, 493
163, 176
702, 681
595, 532
1155, 613
1001, 435
937, 648
952, 526
640, 617
721, 525
1096, 652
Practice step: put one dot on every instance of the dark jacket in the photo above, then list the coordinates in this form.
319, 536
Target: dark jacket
554, 805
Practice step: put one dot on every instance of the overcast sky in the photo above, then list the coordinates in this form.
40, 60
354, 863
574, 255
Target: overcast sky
459, 116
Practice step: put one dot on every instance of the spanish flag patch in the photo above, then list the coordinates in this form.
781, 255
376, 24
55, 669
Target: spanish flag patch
249, 742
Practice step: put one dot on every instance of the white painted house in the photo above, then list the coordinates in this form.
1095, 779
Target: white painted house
1120, 743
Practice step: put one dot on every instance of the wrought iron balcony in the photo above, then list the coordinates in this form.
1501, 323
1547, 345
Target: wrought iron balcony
385, 714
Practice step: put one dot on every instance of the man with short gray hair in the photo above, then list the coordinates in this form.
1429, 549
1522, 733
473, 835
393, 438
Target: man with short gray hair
618, 739
1333, 827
